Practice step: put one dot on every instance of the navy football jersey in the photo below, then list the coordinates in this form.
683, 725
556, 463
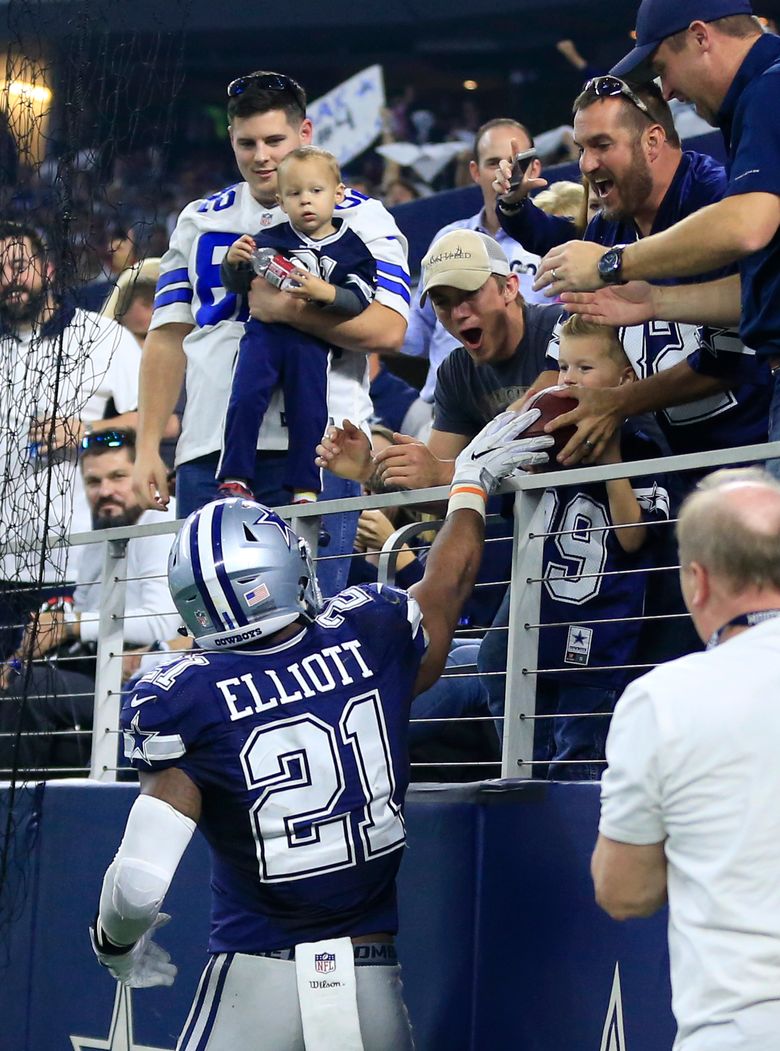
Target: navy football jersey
300, 753
340, 259
590, 583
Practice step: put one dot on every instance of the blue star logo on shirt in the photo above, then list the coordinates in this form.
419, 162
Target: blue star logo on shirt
579, 638
136, 741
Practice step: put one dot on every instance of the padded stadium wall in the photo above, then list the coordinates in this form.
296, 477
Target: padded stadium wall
501, 943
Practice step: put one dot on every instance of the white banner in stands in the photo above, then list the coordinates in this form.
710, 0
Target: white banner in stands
349, 118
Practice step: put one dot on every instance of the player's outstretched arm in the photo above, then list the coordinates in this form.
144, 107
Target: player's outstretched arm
451, 567
158, 831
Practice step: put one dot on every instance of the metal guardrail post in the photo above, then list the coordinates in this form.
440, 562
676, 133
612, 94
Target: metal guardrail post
308, 528
522, 644
108, 674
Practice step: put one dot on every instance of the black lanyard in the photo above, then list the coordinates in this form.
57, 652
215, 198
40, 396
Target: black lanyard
744, 620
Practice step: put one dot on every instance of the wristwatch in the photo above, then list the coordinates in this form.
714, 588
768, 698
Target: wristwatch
611, 264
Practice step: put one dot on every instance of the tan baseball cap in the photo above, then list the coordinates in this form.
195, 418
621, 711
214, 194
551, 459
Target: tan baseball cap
462, 259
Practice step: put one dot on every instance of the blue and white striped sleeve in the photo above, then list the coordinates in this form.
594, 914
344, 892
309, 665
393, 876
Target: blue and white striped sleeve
174, 294
377, 229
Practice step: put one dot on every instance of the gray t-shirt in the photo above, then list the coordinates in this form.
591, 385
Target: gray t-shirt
468, 396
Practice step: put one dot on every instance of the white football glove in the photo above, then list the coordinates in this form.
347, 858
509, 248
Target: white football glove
145, 965
498, 450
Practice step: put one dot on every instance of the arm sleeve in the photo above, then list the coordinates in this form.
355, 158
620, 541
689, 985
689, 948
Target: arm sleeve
422, 322
236, 278
347, 302
535, 230
756, 165
174, 294
631, 809
360, 282
121, 381
377, 229
722, 354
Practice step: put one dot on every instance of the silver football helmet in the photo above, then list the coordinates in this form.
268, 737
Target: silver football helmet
237, 573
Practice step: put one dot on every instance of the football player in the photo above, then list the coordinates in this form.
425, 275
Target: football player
283, 734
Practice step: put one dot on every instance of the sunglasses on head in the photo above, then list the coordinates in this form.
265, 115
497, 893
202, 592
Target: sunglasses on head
106, 440
268, 82
610, 87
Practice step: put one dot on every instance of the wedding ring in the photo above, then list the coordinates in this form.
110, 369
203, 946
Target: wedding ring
553, 275
588, 444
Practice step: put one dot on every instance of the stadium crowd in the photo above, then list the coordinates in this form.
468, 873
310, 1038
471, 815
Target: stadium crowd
628, 317
647, 384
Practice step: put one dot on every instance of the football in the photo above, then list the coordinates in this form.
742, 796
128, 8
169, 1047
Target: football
551, 408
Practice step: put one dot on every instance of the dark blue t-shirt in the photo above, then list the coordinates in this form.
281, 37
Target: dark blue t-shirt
300, 753
592, 588
750, 122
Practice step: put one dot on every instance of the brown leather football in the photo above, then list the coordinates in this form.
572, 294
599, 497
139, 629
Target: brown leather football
551, 407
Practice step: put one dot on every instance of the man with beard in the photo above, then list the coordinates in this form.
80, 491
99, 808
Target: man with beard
706, 390
59, 369
61, 697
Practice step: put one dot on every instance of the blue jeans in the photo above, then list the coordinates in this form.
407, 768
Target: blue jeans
196, 485
450, 697
337, 535
580, 737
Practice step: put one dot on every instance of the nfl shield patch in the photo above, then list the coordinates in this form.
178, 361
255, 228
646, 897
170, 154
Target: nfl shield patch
201, 618
324, 962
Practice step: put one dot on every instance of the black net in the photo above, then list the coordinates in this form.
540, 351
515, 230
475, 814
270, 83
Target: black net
87, 105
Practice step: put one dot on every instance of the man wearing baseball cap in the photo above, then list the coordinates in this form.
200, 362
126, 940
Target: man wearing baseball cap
714, 54
503, 349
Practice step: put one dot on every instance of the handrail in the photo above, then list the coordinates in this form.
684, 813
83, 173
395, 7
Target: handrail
524, 601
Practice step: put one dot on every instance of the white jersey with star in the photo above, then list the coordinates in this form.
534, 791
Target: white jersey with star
190, 292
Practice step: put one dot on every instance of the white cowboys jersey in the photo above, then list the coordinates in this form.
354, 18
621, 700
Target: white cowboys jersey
190, 292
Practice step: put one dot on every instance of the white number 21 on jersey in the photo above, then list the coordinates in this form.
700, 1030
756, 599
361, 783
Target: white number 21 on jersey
300, 821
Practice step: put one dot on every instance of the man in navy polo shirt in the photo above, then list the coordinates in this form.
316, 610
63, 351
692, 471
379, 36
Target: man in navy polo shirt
713, 53
705, 391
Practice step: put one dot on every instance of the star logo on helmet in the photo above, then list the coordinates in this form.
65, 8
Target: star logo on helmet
267, 517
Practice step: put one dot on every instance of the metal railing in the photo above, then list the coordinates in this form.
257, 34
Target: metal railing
525, 591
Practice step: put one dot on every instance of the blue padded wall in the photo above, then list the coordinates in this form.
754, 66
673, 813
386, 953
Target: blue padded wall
501, 942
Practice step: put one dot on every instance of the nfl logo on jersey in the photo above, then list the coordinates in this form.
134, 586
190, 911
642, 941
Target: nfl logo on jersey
324, 962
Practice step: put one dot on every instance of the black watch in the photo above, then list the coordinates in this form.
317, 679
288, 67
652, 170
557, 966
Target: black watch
610, 266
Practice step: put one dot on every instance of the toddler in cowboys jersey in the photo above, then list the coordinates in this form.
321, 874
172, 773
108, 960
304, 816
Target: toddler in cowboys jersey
590, 586
335, 270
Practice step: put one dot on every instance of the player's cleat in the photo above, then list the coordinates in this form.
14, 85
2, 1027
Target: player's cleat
233, 487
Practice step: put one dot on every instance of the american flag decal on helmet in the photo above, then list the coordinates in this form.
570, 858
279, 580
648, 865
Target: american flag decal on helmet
256, 595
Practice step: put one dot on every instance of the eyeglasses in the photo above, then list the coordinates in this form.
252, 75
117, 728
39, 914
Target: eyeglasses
107, 440
610, 87
269, 82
